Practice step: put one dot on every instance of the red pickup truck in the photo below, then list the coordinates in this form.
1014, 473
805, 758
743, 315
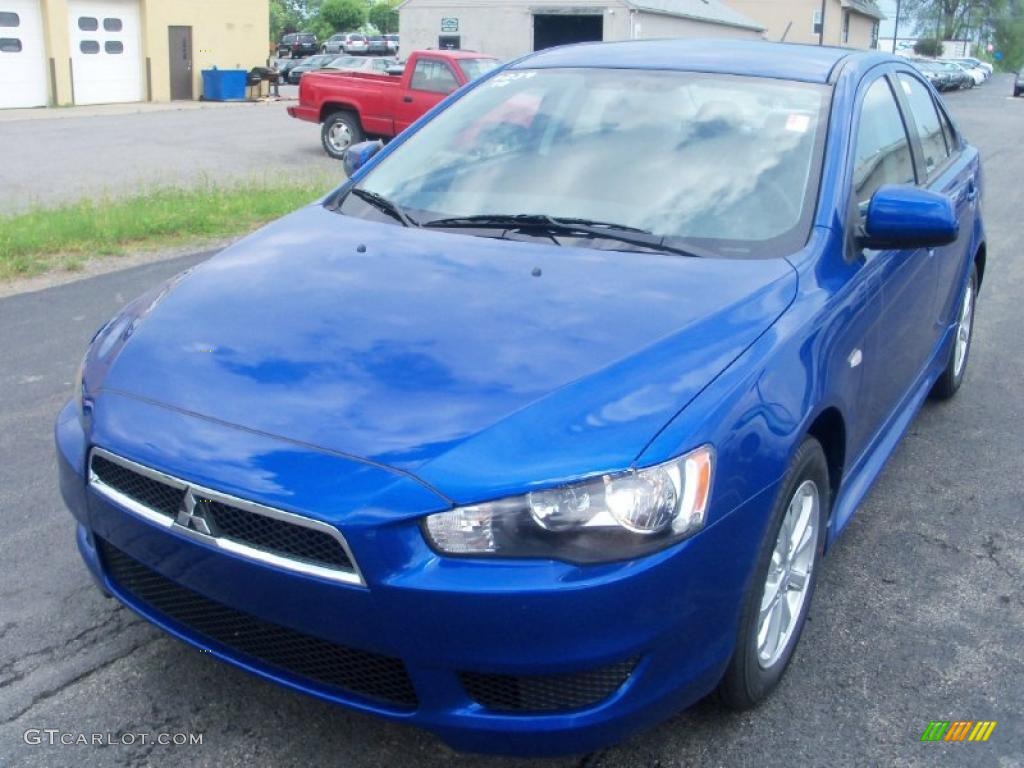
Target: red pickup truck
354, 105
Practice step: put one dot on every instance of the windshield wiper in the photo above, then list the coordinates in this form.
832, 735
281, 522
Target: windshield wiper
569, 226
381, 203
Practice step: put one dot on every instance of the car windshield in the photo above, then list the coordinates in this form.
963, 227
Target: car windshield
345, 62
474, 68
728, 162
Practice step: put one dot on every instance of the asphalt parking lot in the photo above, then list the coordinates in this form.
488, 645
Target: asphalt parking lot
919, 613
102, 151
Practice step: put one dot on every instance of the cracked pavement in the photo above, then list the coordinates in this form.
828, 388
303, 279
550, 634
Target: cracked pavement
919, 613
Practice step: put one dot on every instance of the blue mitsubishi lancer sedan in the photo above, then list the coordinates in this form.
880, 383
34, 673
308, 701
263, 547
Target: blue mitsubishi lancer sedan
537, 429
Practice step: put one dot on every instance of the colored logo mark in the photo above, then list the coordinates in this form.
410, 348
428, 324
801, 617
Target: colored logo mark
958, 730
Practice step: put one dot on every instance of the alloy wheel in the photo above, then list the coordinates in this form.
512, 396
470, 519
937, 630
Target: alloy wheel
789, 574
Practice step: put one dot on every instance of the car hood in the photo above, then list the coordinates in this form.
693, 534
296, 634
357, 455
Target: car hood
483, 366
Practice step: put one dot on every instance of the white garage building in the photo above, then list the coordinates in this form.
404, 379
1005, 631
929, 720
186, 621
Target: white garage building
103, 51
510, 28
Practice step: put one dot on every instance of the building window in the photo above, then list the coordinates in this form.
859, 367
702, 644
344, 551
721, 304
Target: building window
89, 46
8, 19
10, 45
846, 27
88, 24
112, 25
874, 35
113, 46
816, 21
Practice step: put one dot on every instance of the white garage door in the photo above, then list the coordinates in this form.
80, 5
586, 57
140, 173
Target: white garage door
22, 54
106, 60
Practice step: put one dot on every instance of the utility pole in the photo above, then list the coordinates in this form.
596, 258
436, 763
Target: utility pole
821, 32
896, 27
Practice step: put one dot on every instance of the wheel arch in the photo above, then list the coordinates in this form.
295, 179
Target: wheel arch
979, 261
829, 428
329, 108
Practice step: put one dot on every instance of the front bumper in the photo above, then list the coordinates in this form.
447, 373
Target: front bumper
675, 613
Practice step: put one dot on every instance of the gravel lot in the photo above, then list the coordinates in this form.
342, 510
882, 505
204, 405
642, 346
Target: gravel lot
919, 613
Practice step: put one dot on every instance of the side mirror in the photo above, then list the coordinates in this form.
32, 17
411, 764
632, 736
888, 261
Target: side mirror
902, 217
358, 155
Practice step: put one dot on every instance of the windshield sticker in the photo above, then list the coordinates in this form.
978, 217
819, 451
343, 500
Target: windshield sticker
500, 81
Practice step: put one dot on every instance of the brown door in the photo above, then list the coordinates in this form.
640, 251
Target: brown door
179, 41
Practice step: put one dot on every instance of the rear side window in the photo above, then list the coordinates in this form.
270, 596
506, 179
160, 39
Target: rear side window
926, 118
433, 75
883, 151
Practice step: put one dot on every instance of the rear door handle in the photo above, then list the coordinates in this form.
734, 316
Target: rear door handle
972, 191
407, 99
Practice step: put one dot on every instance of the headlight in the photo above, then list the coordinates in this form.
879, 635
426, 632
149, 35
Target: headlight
612, 517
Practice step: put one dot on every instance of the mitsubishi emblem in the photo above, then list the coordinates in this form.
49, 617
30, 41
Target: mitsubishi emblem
191, 518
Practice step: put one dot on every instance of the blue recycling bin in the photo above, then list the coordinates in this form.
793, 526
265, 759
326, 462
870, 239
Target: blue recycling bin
224, 84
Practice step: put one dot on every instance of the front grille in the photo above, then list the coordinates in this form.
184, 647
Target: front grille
257, 528
272, 535
334, 667
546, 693
151, 493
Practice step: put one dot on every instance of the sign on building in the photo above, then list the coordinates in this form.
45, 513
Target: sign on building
449, 24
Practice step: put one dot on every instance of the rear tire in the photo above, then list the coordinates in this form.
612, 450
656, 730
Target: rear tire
339, 132
781, 582
949, 382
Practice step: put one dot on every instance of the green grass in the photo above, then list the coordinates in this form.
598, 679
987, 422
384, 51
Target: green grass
64, 237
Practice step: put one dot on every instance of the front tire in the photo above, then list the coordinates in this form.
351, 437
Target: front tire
952, 377
339, 132
780, 592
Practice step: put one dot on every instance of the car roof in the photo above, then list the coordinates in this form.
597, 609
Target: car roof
786, 61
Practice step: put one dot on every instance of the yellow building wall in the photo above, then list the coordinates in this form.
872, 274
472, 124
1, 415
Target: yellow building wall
228, 34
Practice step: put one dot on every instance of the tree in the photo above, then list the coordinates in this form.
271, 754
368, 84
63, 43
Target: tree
285, 17
928, 46
384, 16
1008, 37
341, 15
952, 19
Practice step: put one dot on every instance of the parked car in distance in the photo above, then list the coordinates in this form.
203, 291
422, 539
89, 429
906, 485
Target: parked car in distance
351, 106
976, 77
284, 66
940, 78
518, 438
393, 42
1018, 83
984, 66
355, 43
376, 45
974, 67
310, 63
959, 76
297, 44
380, 65
333, 44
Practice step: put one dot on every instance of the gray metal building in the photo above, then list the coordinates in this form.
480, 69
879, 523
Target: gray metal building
510, 28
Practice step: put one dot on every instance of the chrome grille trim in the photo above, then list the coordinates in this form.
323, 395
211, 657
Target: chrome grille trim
346, 576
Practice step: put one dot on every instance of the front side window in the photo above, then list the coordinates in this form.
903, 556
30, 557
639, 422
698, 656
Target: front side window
926, 119
882, 153
731, 162
433, 75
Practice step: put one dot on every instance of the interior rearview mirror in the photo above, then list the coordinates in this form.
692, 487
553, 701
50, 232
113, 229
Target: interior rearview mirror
901, 216
358, 155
